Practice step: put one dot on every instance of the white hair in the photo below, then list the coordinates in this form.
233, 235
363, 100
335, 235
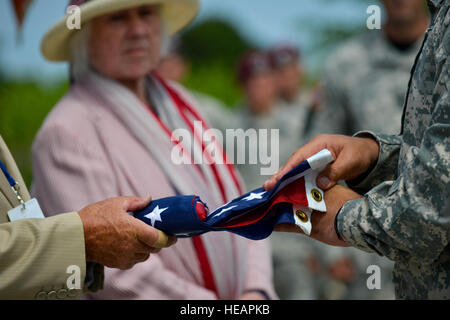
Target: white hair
79, 47
79, 62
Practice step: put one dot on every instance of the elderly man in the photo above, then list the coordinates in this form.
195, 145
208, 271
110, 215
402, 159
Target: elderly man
36, 255
404, 213
111, 136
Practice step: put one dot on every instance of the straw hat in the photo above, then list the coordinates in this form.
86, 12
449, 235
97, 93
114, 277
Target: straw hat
175, 13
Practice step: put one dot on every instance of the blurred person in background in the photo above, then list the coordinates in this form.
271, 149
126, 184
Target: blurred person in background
285, 60
290, 75
294, 263
324, 273
295, 102
365, 79
111, 135
257, 110
365, 83
173, 66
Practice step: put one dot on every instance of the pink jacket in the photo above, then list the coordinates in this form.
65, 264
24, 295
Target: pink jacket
84, 154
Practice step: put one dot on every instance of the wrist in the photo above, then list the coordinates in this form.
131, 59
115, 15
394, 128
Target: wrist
373, 149
84, 222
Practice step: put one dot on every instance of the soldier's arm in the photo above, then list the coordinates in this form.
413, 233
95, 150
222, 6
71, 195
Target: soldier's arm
409, 216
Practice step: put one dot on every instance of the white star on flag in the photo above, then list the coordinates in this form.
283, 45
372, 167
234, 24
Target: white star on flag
253, 196
225, 210
155, 215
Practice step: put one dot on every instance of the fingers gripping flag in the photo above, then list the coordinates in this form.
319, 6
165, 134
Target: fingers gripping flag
253, 215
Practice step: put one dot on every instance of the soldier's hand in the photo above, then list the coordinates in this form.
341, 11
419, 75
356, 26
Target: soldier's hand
323, 223
114, 238
353, 157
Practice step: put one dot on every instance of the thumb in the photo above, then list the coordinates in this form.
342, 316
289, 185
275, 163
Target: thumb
329, 177
323, 181
153, 237
164, 240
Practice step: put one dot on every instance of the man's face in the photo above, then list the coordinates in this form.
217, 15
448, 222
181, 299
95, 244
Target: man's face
173, 67
404, 11
125, 45
261, 92
288, 79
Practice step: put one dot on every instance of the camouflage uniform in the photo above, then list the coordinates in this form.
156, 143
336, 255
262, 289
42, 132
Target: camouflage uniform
245, 120
365, 84
294, 121
405, 213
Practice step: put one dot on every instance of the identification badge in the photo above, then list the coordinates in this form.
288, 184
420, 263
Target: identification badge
30, 210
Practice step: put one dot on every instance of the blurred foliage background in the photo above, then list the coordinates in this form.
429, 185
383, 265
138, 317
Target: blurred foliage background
213, 61
23, 107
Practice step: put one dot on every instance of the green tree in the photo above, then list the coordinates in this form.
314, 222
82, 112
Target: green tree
213, 47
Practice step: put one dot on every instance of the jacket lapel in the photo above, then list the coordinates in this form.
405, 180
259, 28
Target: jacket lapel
5, 188
7, 192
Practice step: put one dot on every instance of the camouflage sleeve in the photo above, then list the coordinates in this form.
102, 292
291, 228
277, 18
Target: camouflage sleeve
409, 218
386, 167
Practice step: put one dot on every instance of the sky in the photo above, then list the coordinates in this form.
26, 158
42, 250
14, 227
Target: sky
264, 22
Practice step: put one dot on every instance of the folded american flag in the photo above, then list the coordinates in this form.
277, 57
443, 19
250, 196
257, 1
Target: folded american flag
253, 215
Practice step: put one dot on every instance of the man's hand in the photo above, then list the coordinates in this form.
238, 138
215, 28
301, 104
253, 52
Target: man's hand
115, 239
323, 223
353, 157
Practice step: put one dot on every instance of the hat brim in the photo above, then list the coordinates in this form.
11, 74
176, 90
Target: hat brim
176, 14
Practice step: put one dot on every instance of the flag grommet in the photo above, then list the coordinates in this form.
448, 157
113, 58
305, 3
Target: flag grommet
317, 196
302, 216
